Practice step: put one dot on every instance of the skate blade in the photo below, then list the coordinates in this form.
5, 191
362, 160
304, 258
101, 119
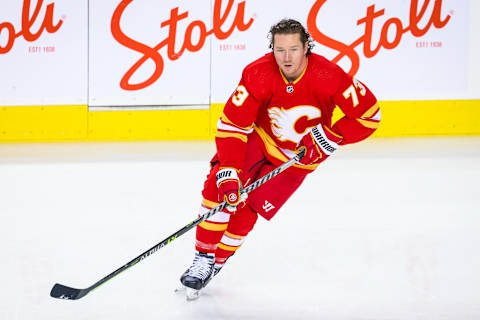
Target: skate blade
190, 294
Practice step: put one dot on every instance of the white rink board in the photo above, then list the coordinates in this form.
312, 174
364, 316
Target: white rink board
94, 49
51, 69
123, 33
406, 72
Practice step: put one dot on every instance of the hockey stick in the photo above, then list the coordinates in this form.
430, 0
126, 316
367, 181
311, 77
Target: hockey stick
63, 292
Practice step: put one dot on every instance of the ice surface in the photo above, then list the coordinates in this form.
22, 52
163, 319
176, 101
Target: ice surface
385, 229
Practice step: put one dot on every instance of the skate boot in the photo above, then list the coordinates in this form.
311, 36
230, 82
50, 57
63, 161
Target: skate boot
198, 274
216, 268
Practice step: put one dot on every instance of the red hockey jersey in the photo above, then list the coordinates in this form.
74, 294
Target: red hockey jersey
281, 113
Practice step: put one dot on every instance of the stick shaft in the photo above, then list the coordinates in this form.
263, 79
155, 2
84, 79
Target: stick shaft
82, 292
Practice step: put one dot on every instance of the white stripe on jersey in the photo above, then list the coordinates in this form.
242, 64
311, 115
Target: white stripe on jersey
223, 126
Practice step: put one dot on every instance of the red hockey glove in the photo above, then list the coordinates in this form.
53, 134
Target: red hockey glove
320, 143
229, 187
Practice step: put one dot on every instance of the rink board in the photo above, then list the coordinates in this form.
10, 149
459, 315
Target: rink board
77, 123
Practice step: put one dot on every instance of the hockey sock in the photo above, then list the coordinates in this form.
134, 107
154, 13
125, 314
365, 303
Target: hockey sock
241, 223
210, 232
228, 245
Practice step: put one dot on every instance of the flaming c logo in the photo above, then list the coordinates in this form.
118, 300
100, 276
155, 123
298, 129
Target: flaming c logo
27, 22
151, 53
348, 51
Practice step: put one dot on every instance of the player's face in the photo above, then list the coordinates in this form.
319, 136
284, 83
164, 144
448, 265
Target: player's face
290, 54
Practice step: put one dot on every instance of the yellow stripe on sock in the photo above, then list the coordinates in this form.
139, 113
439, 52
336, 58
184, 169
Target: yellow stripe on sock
227, 248
213, 226
233, 236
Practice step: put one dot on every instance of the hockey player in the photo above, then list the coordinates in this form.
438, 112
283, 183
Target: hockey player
284, 100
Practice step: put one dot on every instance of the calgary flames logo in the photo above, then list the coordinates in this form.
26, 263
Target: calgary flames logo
290, 124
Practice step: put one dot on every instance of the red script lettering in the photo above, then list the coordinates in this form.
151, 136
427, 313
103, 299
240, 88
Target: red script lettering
27, 23
152, 53
349, 50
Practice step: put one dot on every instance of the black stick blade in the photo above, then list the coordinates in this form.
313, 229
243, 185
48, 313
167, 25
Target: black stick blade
60, 291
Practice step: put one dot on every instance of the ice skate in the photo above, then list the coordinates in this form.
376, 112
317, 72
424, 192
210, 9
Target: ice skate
198, 275
193, 294
189, 293
216, 268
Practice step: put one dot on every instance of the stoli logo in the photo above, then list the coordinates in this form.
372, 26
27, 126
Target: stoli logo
415, 17
152, 53
27, 23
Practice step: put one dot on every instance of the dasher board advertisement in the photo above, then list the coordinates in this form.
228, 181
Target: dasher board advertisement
43, 47
404, 50
192, 52
147, 53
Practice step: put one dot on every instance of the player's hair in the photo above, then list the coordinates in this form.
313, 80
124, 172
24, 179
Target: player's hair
291, 26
